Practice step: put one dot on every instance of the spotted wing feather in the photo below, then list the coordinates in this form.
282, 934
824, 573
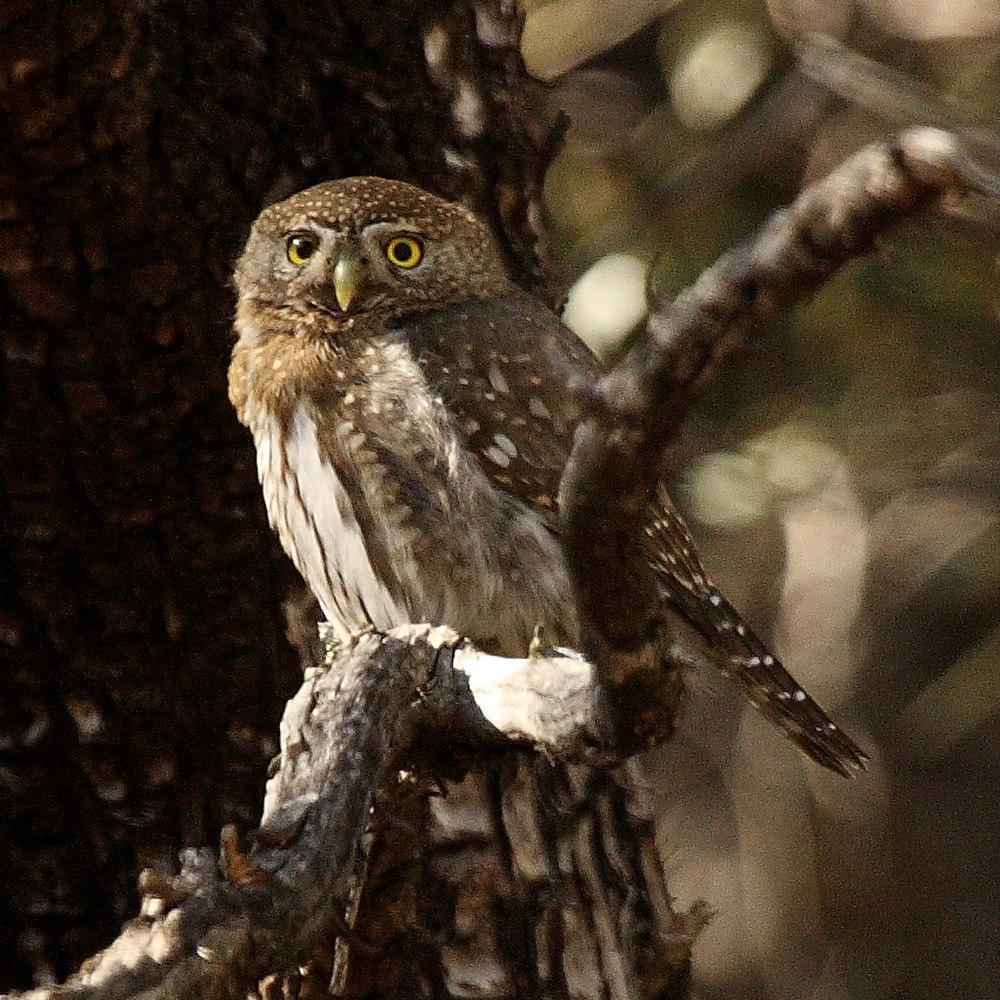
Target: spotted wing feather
502, 365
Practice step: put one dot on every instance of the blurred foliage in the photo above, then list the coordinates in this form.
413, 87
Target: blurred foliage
842, 480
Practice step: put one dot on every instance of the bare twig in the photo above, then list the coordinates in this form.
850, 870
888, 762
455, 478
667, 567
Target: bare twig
892, 95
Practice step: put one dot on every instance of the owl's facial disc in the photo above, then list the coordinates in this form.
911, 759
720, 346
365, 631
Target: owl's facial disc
365, 252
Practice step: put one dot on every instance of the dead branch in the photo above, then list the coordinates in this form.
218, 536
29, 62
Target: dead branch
224, 924
637, 407
218, 928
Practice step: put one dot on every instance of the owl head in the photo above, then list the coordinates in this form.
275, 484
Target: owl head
365, 249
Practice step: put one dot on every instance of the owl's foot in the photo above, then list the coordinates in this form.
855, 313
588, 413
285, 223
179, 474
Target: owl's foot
336, 642
435, 636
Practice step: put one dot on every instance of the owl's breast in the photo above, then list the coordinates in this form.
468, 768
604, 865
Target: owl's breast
311, 511
384, 509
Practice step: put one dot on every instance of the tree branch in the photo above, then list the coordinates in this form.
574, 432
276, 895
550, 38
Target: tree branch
217, 929
221, 929
636, 408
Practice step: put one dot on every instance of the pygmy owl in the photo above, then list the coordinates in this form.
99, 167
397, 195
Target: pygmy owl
410, 409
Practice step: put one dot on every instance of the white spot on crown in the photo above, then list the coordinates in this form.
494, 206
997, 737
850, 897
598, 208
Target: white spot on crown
497, 380
538, 409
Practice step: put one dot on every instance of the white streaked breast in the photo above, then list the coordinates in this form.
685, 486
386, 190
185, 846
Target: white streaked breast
312, 513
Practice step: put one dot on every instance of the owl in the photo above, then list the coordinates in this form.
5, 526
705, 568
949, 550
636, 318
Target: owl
411, 416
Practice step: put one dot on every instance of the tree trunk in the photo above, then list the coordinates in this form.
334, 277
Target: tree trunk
534, 880
146, 662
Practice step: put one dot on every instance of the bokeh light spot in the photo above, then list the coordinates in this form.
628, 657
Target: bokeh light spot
727, 490
607, 301
718, 74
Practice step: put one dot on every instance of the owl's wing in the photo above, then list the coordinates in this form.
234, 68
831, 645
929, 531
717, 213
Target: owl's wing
502, 366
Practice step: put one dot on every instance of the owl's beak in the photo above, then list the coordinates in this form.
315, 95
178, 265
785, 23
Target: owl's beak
348, 276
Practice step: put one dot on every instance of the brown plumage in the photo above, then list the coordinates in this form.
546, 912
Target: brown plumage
412, 422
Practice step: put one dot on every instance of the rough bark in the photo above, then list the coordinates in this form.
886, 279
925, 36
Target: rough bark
145, 660
361, 881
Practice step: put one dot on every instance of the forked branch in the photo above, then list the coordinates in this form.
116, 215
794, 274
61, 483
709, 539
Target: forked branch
225, 923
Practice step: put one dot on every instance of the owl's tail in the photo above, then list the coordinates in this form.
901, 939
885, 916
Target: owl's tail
764, 682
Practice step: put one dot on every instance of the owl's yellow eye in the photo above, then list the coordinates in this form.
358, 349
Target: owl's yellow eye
300, 248
404, 251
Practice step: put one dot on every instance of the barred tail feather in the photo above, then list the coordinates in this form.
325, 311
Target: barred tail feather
764, 681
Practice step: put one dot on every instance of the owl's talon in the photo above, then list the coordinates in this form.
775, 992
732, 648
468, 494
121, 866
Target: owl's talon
443, 635
410, 634
540, 648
